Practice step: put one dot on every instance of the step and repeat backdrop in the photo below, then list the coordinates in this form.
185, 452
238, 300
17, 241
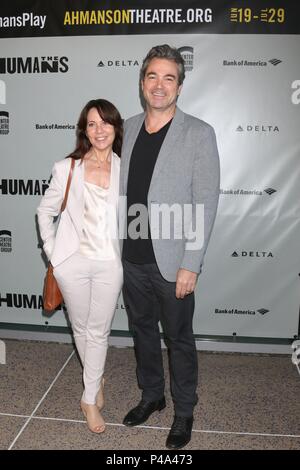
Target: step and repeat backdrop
243, 77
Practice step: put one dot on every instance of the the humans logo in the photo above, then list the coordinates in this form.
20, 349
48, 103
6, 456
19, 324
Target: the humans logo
16, 300
2, 92
45, 64
5, 241
187, 53
296, 94
2, 352
4, 122
23, 187
296, 354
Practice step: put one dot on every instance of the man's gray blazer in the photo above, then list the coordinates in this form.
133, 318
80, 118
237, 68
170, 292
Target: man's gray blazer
186, 174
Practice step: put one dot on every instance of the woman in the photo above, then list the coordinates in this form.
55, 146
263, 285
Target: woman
84, 251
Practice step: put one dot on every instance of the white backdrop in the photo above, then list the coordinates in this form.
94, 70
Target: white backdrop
250, 283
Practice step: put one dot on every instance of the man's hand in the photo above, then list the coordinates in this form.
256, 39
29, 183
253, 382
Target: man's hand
185, 283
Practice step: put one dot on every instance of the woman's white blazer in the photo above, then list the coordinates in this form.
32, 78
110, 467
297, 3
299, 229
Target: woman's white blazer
61, 243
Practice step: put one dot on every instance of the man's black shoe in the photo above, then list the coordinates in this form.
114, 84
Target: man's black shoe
180, 433
141, 413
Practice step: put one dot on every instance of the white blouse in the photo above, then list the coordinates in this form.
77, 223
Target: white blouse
96, 241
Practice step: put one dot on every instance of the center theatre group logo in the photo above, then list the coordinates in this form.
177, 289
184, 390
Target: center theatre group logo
4, 122
43, 64
187, 53
5, 241
20, 187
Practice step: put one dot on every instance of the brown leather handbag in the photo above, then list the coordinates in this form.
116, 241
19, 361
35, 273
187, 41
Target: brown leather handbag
52, 296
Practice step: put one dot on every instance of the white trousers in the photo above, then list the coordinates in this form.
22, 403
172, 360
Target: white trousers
90, 289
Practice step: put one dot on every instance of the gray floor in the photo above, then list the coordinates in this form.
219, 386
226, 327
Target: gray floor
246, 401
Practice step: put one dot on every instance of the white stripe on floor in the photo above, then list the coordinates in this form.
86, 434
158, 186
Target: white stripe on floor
161, 428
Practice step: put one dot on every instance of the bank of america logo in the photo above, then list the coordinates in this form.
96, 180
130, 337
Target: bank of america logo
263, 311
275, 61
270, 191
187, 53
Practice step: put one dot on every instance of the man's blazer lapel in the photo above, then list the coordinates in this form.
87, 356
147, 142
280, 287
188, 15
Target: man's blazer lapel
132, 133
170, 146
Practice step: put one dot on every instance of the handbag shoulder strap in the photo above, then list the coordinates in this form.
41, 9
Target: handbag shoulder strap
64, 203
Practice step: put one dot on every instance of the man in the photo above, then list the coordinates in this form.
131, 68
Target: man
169, 160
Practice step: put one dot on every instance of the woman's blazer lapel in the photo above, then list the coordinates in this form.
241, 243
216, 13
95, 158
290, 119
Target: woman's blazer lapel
75, 204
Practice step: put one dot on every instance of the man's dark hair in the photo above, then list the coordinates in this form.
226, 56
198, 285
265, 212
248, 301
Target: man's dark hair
164, 52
